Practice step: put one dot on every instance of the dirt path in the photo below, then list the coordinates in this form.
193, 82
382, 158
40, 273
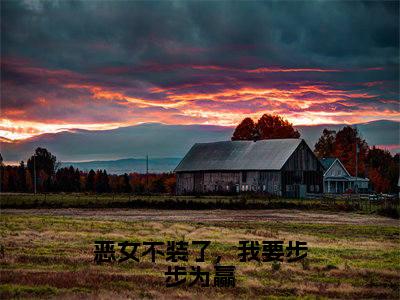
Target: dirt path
277, 215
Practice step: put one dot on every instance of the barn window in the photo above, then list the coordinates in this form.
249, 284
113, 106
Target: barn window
244, 176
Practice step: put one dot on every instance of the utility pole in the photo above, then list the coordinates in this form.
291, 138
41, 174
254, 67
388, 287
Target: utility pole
147, 172
356, 167
34, 173
355, 183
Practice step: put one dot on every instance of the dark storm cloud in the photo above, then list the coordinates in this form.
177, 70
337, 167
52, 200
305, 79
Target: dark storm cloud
81, 35
124, 62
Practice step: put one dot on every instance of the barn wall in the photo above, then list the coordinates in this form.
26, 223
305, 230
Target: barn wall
302, 173
184, 183
221, 181
270, 182
229, 182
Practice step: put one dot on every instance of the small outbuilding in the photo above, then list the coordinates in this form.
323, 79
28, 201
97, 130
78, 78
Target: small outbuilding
282, 167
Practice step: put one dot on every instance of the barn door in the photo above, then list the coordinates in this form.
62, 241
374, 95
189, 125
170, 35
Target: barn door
302, 190
198, 182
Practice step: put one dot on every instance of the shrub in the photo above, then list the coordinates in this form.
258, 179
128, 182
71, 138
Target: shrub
276, 265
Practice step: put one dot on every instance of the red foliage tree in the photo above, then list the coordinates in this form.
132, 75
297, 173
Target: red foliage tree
244, 131
380, 183
267, 127
345, 149
325, 146
275, 127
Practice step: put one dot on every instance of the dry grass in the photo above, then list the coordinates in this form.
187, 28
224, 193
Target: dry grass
49, 256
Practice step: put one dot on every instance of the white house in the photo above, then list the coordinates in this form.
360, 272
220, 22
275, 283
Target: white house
337, 179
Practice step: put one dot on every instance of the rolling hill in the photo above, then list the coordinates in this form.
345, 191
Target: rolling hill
165, 144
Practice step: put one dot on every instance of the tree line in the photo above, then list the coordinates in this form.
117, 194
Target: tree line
380, 166
51, 178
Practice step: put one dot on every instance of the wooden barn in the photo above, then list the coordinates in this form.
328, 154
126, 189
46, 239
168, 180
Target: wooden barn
283, 167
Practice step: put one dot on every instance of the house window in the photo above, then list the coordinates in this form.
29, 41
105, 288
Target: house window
247, 187
311, 188
264, 187
317, 188
244, 176
227, 187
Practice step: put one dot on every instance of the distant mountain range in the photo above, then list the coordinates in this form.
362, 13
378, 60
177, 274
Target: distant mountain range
165, 144
127, 165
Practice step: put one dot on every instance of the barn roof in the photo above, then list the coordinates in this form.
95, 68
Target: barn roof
239, 155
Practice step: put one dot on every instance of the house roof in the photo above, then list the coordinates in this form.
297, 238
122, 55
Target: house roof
239, 155
327, 162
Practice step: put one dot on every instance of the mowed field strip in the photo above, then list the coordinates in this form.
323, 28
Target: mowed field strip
48, 253
270, 215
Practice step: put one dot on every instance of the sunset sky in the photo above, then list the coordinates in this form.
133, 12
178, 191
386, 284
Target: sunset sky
101, 65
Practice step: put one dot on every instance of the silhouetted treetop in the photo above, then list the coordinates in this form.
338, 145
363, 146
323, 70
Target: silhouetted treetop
267, 127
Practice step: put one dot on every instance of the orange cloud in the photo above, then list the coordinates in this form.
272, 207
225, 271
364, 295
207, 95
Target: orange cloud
56, 100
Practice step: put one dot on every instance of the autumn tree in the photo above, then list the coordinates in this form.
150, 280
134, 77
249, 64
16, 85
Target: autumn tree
126, 186
170, 184
244, 131
343, 145
347, 142
157, 185
90, 181
67, 180
267, 127
102, 182
45, 165
275, 127
325, 145
379, 182
22, 186
383, 169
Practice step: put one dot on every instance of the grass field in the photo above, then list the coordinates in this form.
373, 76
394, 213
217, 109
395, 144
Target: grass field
49, 253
